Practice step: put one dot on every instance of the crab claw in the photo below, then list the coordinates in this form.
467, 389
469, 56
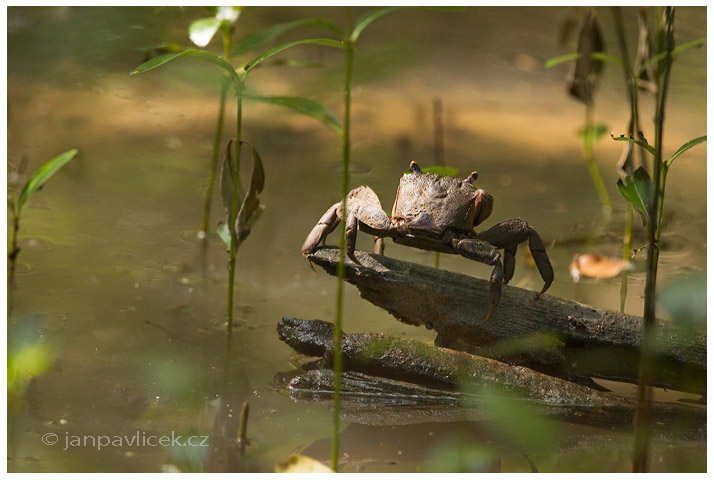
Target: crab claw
327, 223
414, 167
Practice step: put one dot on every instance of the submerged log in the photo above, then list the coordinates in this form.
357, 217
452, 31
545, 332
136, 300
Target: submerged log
389, 372
552, 335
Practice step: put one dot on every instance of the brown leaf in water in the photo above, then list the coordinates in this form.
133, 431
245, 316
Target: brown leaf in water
596, 266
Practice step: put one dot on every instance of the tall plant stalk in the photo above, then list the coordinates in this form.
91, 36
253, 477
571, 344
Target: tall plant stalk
214, 160
588, 147
665, 44
346, 151
234, 213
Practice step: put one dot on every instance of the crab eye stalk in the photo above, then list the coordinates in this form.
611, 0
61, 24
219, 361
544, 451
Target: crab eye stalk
471, 178
414, 167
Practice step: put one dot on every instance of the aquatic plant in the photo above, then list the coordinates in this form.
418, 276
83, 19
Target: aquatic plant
646, 195
235, 78
350, 35
582, 85
33, 184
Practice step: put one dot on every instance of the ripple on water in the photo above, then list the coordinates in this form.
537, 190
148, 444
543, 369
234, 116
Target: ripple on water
38, 244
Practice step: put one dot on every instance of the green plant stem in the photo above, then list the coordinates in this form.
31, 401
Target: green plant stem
346, 150
214, 160
12, 256
234, 212
626, 249
665, 42
588, 143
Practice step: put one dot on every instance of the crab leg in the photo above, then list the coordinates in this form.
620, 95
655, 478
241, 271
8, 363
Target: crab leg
482, 252
327, 223
508, 235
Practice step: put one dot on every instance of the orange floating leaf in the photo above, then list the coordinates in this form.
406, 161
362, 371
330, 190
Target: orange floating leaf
595, 265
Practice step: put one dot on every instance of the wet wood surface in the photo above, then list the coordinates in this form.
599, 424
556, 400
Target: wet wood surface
552, 335
391, 374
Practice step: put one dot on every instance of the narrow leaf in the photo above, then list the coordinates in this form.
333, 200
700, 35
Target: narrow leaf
686, 147
551, 62
304, 106
42, 175
201, 31
686, 46
642, 144
274, 51
190, 52
638, 190
247, 213
264, 36
370, 17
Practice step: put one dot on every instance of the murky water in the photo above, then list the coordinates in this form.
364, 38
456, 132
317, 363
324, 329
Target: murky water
113, 279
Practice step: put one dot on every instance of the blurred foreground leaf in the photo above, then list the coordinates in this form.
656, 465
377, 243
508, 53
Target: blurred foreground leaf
264, 36
685, 299
518, 423
590, 136
27, 354
301, 464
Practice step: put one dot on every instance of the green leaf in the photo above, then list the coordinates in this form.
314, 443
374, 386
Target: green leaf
590, 136
195, 53
42, 175
274, 51
201, 31
685, 299
225, 235
440, 170
686, 46
686, 147
638, 190
551, 62
370, 17
264, 36
516, 420
304, 106
642, 144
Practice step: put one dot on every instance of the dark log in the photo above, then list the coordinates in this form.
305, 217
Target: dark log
552, 335
393, 374
436, 367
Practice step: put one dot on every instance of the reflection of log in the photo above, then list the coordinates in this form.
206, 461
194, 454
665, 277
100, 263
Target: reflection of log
444, 382
552, 335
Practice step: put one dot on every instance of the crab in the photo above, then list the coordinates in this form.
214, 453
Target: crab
436, 213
